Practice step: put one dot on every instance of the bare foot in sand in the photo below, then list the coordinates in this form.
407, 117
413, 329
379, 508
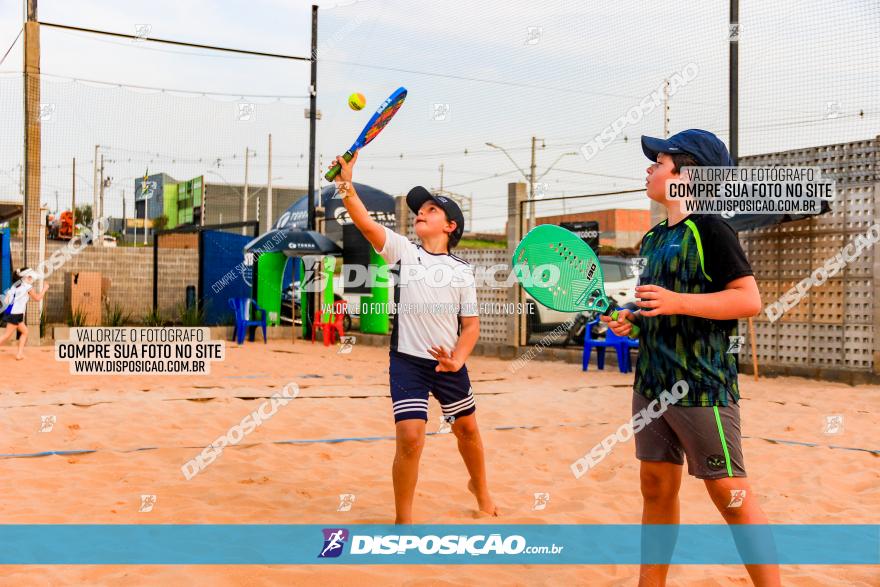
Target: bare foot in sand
19, 357
484, 502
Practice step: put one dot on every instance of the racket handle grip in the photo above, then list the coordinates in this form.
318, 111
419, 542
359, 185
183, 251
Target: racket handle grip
634, 333
334, 171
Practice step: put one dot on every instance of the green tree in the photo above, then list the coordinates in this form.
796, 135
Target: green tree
160, 222
83, 215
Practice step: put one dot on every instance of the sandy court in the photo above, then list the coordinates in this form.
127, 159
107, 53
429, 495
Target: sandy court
553, 413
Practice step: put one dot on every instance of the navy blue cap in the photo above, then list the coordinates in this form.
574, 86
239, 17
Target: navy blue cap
702, 145
419, 195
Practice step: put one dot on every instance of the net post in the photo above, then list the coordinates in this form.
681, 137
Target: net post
32, 157
516, 322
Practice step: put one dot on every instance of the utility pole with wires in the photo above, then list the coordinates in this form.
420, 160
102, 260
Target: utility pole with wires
98, 212
532, 186
146, 206
244, 197
101, 199
269, 189
73, 196
532, 176
441, 177
95, 188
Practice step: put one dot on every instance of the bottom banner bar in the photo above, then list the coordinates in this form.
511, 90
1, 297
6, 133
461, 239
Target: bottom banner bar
824, 544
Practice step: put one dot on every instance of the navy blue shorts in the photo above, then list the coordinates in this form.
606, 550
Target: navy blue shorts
413, 377
14, 319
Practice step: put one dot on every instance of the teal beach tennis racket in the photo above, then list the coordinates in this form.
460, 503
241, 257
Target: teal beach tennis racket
577, 283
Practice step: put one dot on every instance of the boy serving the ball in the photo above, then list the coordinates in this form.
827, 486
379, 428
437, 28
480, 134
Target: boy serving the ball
695, 285
433, 333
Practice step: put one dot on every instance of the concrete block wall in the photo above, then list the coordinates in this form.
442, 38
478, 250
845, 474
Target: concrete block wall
832, 332
178, 269
130, 271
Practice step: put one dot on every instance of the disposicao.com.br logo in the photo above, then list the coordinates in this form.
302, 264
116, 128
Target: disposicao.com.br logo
430, 544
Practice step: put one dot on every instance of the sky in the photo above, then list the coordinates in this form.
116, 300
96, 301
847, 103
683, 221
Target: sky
477, 72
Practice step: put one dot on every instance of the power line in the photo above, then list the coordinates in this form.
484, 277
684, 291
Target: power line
626, 142
581, 196
541, 87
143, 47
18, 36
171, 42
466, 152
163, 90
589, 208
452, 185
597, 174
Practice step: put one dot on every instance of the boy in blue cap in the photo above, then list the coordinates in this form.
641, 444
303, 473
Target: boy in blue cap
694, 287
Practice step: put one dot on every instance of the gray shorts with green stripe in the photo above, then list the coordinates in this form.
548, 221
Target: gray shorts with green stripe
709, 437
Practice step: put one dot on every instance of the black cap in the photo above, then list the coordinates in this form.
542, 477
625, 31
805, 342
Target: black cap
704, 146
419, 195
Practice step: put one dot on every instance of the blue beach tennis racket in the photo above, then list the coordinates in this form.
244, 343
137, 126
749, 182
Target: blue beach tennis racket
383, 115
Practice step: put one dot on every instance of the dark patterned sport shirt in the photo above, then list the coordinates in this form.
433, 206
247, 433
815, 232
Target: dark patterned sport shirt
700, 254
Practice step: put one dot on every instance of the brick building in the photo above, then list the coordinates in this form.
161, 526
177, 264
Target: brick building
618, 228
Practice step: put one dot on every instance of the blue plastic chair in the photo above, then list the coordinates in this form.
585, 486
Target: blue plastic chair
624, 344
243, 309
611, 340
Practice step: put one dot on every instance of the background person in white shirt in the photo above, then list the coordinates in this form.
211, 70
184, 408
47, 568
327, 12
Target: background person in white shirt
15, 301
433, 333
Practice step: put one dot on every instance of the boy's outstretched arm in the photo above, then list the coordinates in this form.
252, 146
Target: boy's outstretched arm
740, 298
372, 230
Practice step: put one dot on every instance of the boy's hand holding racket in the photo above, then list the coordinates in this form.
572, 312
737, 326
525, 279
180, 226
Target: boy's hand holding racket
345, 168
622, 326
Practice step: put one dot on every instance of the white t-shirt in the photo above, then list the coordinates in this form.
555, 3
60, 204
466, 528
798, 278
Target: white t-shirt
430, 293
19, 296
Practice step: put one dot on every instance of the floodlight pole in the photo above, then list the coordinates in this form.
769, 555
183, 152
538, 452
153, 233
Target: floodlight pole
313, 116
313, 113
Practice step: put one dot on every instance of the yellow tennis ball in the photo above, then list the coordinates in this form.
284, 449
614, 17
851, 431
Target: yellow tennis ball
357, 101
